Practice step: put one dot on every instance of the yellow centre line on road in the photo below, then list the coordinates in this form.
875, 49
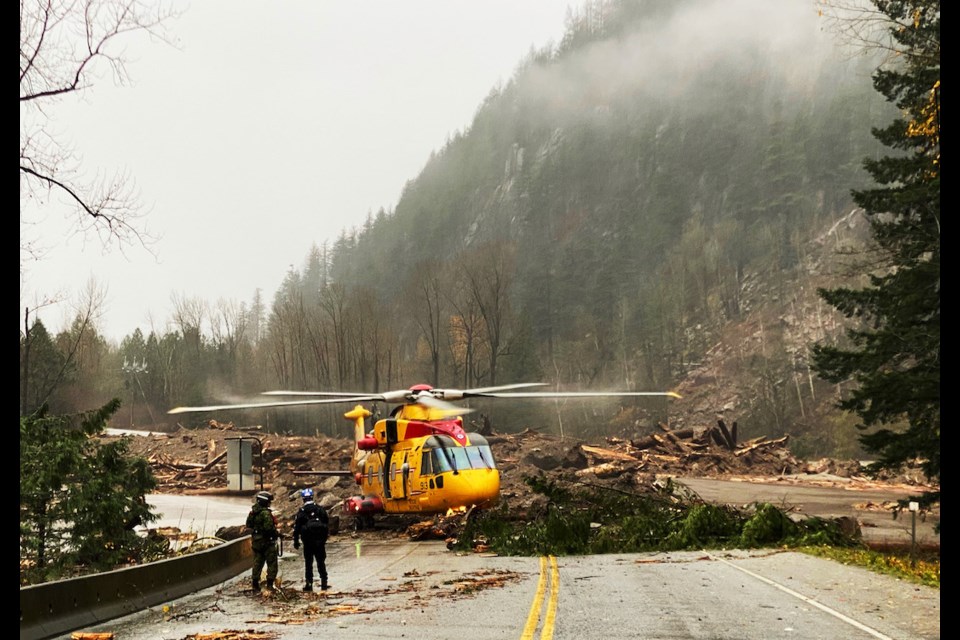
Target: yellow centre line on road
534, 616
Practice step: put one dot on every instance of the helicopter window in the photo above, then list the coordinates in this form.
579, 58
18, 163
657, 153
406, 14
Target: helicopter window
480, 457
439, 462
393, 471
425, 467
370, 474
460, 459
487, 455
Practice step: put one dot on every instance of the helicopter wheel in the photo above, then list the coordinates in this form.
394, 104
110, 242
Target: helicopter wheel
363, 521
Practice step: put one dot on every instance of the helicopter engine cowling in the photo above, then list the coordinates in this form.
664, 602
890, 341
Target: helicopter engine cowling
363, 505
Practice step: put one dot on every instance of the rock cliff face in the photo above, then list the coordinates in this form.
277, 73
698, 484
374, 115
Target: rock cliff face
757, 373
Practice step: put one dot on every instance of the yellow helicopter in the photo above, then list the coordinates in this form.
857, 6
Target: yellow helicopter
419, 459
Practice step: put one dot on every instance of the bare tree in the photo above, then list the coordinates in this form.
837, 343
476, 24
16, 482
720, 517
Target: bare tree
466, 339
88, 310
228, 325
64, 45
489, 274
188, 316
334, 303
428, 309
865, 26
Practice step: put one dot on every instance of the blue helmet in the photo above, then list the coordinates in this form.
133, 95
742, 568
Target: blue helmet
306, 494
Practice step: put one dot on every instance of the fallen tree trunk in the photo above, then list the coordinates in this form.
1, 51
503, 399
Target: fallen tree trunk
761, 445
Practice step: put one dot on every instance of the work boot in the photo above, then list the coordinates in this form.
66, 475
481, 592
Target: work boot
255, 586
324, 586
308, 587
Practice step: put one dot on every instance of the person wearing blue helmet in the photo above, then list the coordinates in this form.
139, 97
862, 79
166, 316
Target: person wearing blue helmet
312, 527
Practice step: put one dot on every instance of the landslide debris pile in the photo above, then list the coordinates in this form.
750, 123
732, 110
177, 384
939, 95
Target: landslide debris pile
194, 461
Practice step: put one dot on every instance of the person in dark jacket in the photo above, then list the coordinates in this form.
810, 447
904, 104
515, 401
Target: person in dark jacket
311, 527
263, 525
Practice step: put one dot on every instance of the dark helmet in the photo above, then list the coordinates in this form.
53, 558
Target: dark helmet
264, 497
306, 494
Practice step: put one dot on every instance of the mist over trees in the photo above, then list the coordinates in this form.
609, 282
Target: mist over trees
597, 225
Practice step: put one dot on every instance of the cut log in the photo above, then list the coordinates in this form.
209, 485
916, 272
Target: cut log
210, 464
607, 454
677, 443
760, 445
664, 458
644, 443
186, 466
731, 443
669, 445
605, 470
680, 433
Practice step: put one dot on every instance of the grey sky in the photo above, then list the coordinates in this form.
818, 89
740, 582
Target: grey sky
273, 126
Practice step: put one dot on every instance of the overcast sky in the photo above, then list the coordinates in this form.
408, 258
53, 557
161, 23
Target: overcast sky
270, 127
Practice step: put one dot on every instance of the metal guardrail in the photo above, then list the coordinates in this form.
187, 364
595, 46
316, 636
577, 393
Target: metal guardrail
54, 608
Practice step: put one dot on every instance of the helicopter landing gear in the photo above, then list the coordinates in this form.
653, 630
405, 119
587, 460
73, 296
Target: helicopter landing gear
362, 521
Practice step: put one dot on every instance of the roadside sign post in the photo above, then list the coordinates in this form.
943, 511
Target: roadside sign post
914, 507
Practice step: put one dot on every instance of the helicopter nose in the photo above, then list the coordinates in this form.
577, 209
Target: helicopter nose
476, 486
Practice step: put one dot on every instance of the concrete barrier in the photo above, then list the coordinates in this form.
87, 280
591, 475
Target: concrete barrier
57, 607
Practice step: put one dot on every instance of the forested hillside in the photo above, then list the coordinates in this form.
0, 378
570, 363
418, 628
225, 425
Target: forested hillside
649, 205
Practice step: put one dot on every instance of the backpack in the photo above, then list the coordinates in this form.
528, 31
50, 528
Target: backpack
315, 527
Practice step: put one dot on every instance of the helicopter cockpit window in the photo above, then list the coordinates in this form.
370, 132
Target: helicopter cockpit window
460, 459
480, 457
439, 461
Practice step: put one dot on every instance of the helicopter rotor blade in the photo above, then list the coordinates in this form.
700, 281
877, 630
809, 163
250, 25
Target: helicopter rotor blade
579, 394
437, 399
431, 402
398, 396
263, 405
459, 394
331, 394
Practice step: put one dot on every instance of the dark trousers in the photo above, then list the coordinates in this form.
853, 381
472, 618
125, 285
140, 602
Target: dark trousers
265, 553
314, 551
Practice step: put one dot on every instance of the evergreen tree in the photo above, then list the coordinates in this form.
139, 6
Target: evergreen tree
79, 499
894, 350
42, 368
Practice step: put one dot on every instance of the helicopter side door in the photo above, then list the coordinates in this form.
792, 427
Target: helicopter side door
399, 477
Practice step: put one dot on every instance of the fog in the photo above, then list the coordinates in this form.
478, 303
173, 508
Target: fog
265, 129
264, 132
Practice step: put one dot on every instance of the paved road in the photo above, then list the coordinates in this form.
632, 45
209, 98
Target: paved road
400, 589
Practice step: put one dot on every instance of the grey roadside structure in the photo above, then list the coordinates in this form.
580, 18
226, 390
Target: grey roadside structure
57, 607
